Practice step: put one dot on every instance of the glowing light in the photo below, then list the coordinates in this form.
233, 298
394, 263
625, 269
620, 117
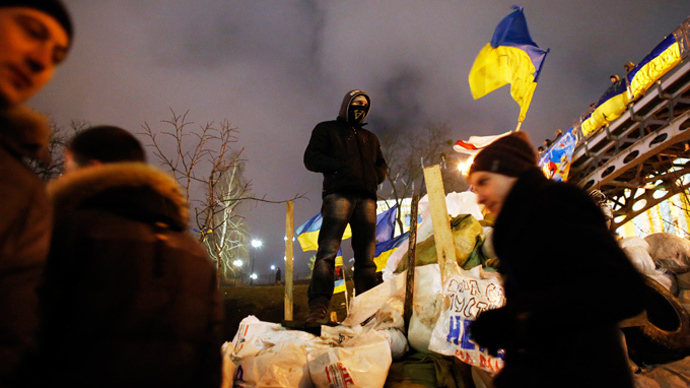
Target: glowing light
237, 263
464, 167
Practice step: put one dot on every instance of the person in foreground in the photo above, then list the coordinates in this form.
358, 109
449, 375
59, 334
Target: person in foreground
129, 297
567, 283
35, 36
350, 158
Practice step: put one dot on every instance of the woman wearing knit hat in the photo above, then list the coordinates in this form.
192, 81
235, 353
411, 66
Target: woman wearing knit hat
567, 282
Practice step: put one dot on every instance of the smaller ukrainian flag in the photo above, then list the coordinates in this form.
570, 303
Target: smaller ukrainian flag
308, 233
386, 248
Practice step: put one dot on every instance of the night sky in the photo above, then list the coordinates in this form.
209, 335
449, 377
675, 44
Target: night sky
274, 69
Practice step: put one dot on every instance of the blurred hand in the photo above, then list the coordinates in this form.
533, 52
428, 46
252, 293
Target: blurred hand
494, 329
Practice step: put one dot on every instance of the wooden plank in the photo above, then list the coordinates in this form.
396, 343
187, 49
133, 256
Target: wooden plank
443, 238
289, 253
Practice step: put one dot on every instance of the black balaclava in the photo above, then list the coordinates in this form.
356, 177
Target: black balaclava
354, 114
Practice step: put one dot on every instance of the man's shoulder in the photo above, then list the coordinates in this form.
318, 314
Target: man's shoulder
330, 124
15, 174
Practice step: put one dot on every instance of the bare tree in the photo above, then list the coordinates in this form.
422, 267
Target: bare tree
210, 170
59, 139
407, 154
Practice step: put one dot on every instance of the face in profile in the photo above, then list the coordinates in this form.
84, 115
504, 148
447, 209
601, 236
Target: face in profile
491, 188
32, 44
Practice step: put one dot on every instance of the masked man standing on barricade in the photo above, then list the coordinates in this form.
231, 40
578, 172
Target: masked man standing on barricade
352, 164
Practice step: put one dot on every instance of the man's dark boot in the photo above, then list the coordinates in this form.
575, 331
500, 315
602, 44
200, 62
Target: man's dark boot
318, 315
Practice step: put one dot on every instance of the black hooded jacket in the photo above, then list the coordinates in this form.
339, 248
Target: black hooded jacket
348, 155
566, 275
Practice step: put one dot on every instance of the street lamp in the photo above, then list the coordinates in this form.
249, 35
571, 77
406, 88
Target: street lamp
256, 244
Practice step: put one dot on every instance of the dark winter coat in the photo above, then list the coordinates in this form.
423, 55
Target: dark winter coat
130, 296
25, 223
567, 284
349, 156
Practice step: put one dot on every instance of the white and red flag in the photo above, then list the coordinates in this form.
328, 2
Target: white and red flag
475, 143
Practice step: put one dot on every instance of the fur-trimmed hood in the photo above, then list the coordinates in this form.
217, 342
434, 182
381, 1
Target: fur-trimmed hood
133, 190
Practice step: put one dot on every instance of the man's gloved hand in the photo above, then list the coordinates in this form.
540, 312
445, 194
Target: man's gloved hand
494, 329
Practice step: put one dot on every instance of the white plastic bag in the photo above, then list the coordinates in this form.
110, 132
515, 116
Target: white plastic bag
360, 362
229, 367
267, 355
283, 365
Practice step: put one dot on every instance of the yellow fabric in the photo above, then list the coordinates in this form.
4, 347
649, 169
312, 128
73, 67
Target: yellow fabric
495, 67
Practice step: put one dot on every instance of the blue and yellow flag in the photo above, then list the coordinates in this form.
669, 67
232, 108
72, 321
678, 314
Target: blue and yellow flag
511, 57
385, 224
658, 62
339, 284
610, 106
308, 233
664, 57
386, 248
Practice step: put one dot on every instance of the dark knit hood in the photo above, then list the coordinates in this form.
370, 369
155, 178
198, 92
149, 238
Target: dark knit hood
133, 190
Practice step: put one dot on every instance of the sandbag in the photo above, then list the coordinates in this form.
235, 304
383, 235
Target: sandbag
467, 233
360, 362
427, 305
633, 241
640, 258
670, 252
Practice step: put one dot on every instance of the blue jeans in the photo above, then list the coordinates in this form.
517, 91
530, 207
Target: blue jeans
337, 211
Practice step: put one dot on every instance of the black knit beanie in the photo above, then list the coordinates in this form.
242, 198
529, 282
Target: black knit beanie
510, 155
54, 8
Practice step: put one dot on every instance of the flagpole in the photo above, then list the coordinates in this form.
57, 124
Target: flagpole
518, 126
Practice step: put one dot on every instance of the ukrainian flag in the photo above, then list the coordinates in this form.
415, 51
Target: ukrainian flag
308, 233
611, 105
658, 62
386, 248
385, 224
511, 57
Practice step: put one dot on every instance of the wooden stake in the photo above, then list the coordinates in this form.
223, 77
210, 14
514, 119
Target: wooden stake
289, 252
443, 238
411, 257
